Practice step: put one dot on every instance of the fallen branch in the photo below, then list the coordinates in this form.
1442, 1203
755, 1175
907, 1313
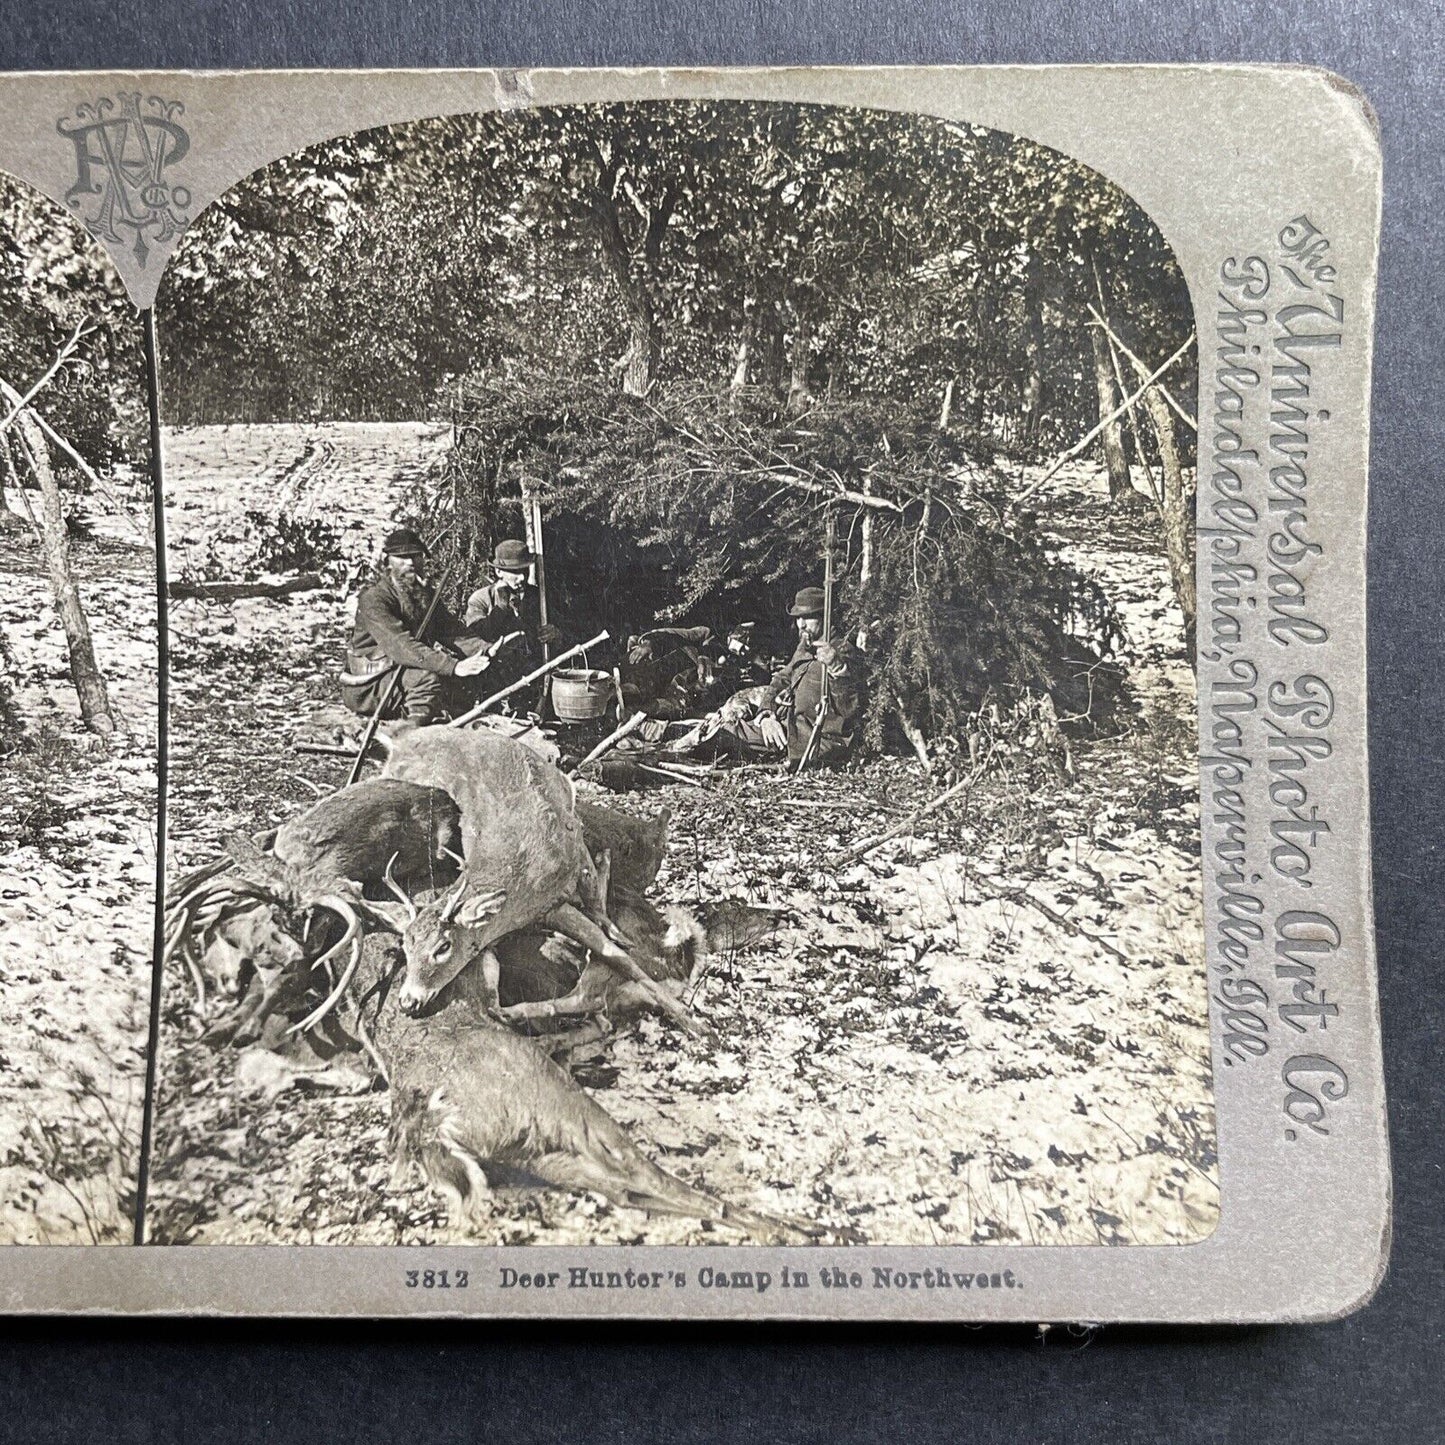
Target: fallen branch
531, 677
611, 740
675, 774
842, 805
869, 844
1084, 442
235, 591
1019, 895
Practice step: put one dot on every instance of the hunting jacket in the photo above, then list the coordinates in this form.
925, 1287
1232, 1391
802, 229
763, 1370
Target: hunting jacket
801, 682
386, 635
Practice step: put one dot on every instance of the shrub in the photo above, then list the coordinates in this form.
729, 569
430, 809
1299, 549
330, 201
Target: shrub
292, 544
695, 506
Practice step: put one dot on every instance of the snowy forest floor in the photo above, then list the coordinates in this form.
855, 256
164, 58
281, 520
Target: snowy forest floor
919, 1053
77, 888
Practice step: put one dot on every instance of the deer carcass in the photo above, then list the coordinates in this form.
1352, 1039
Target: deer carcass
356, 833
243, 914
469, 1098
526, 864
545, 977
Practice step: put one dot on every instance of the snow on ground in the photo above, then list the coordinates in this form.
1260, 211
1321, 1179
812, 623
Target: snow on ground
77, 892
995, 1031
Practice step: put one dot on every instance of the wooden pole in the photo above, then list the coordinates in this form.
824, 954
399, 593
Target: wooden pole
1143, 370
1082, 444
535, 505
552, 666
809, 750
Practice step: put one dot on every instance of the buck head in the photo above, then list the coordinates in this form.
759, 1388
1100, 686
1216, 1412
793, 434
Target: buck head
259, 936
224, 922
440, 938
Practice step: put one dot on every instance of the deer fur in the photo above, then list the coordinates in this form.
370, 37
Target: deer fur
354, 834
526, 864
470, 1099
239, 916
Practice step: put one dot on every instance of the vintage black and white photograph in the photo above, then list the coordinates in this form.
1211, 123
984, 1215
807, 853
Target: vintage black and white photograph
79, 654
682, 710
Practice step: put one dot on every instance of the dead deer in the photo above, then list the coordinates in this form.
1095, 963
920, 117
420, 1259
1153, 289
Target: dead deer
545, 978
470, 1098
354, 834
634, 847
240, 915
526, 864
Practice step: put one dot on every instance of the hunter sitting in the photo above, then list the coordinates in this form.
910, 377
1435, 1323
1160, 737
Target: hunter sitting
788, 708
506, 613
398, 662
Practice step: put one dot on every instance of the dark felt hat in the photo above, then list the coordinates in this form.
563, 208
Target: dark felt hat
808, 603
511, 556
403, 543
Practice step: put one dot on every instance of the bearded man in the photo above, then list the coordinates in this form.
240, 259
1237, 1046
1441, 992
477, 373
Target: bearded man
433, 662
788, 708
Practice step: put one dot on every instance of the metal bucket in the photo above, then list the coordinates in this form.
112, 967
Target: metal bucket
580, 694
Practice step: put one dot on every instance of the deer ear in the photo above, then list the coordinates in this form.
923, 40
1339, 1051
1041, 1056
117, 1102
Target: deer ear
477, 908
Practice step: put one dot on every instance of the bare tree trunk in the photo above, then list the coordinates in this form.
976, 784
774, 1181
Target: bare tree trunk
800, 356
50, 524
865, 575
1178, 511
1112, 437
9, 481
1033, 388
640, 360
740, 365
770, 357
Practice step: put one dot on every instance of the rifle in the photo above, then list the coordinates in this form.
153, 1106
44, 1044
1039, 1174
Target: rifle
809, 750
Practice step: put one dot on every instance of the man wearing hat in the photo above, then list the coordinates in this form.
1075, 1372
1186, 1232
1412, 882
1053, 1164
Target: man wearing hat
508, 605
790, 704
388, 637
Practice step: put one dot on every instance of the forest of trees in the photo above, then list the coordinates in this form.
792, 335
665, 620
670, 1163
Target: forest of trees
814, 252
690, 326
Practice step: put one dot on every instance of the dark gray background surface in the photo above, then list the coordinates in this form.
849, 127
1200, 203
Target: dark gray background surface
1376, 1375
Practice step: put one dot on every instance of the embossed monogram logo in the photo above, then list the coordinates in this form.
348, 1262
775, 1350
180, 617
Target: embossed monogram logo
123, 148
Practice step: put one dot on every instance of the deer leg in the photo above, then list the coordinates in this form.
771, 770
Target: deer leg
564, 918
491, 967
248, 1028
242, 1022
569, 1041
569, 1006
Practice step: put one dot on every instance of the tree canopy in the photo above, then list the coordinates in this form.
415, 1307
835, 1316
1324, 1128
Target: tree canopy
809, 250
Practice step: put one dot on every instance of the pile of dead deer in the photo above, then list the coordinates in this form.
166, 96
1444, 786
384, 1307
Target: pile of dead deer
454, 928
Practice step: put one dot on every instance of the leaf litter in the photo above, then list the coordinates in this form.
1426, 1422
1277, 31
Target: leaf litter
919, 1052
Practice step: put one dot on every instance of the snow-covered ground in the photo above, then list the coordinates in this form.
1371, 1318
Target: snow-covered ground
996, 1031
77, 891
